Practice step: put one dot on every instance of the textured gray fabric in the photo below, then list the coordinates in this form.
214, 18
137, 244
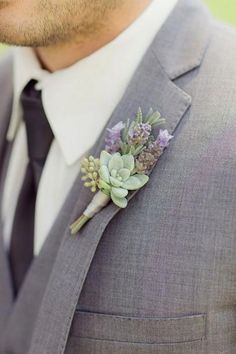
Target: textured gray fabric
75, 255
159, 276
5, 104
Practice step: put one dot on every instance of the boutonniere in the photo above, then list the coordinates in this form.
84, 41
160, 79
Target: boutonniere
130, 153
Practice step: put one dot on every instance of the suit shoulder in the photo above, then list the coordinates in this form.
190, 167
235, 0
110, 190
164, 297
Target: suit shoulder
214, 83
219, 62
223, 41
225, 30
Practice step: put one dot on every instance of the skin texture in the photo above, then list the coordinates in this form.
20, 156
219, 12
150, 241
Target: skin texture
65, 31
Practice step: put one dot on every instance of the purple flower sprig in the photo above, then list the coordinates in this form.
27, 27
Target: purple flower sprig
133, 136
149, 156
136, 138
113, 139
139, 133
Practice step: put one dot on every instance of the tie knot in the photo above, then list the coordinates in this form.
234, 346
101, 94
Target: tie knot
38, 130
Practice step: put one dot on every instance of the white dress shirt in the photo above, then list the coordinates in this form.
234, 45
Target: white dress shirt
78, 102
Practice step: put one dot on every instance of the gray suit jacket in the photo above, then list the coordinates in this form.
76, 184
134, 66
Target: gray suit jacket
159, 276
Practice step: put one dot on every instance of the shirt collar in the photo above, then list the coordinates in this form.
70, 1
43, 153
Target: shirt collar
79, 100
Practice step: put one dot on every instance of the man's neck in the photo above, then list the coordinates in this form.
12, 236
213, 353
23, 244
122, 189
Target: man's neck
63, 55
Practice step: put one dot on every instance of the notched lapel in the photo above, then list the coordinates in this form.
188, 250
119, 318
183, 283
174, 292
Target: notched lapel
151, 86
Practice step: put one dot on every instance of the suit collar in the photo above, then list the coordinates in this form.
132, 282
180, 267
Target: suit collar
183, 39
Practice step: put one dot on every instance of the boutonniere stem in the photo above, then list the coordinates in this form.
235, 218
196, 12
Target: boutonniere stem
130, 153
99, 201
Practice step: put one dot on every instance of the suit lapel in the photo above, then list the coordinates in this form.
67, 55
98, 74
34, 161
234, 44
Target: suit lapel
5, 104
151, 86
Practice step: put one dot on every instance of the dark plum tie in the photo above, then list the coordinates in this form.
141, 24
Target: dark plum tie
39, 139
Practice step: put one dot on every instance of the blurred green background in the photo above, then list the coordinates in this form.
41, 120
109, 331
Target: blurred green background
225, 10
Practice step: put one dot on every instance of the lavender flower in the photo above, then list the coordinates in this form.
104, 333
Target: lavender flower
151, 154
113, 139
139, 134
163, 138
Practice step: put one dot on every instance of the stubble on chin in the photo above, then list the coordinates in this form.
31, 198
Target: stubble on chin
52, 23
4, 4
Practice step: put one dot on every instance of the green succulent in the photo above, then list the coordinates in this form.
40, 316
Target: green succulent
117, 177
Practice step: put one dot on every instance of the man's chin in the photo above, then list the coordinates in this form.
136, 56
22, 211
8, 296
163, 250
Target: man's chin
11, 36
4, 4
